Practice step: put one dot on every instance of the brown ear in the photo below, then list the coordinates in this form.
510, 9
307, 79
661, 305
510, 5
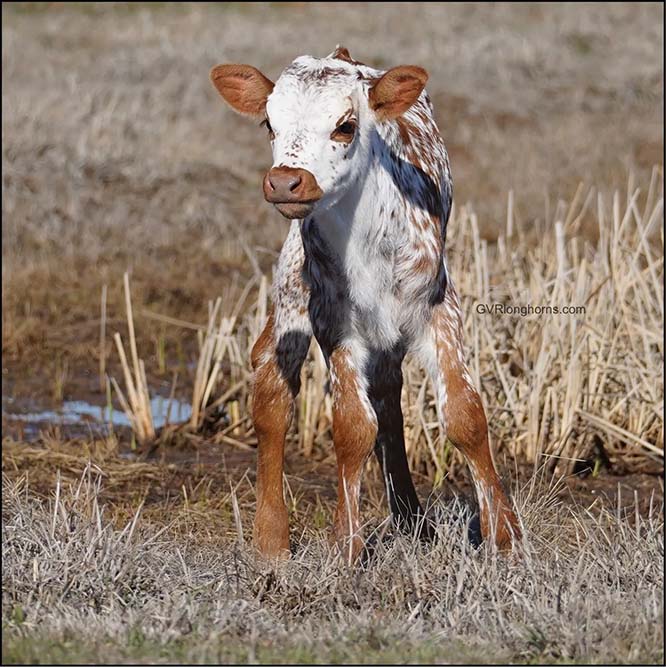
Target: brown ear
397, 90
243, 87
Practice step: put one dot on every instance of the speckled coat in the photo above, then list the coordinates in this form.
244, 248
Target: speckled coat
365, 273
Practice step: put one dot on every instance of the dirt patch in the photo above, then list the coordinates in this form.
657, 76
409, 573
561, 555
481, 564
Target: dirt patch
169, 472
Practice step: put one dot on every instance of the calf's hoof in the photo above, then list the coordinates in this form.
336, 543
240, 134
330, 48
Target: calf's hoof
349, 548
506, 530
271, 533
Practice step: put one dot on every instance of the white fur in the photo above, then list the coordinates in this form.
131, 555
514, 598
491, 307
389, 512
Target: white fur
366, 219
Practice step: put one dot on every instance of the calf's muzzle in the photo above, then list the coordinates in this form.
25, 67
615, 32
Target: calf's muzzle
294, 191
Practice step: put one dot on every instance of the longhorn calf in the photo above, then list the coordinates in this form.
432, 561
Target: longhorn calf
361, 171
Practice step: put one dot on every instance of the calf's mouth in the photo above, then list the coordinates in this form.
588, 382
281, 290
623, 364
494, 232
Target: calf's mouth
295, 210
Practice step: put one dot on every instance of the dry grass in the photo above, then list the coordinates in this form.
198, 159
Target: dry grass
137, 408
215, 344
78, 585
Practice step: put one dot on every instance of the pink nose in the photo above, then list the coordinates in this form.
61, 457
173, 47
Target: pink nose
284, 182
289, 185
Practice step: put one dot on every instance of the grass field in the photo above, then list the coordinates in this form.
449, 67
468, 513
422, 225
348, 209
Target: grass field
118, 156
84, 581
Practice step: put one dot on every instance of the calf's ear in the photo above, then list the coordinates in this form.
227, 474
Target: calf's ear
396, 90
243, 87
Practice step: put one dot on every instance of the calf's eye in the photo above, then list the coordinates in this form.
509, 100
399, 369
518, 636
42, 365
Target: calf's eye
344, 132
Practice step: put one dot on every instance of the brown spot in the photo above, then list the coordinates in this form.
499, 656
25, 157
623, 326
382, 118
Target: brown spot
425, 264
403, 129
321, 74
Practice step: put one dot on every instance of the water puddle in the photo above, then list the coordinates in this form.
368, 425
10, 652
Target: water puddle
81, 418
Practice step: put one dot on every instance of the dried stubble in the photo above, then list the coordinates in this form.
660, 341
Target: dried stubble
588, 586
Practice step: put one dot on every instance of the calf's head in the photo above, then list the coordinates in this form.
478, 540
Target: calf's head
319, 116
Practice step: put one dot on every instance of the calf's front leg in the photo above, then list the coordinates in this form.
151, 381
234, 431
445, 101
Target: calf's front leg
354, 434
277, 358
277, 362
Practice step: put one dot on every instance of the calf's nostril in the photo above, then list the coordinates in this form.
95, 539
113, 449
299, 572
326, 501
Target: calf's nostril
295, 183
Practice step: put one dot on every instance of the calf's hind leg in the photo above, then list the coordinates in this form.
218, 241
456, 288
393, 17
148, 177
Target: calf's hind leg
465, 420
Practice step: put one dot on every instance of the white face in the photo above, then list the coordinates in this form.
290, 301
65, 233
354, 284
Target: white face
319, 120
320, 116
